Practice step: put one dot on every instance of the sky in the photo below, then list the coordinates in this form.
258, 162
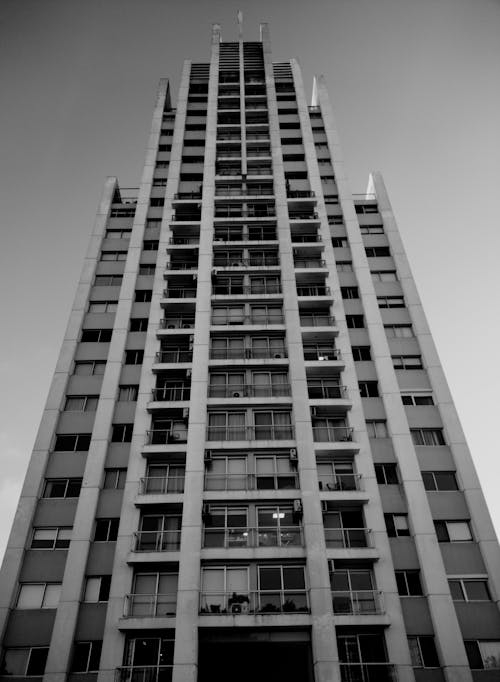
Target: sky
414, 86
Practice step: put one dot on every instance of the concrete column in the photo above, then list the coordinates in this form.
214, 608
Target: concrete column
186, 638
448, 637
33, 481
122, 573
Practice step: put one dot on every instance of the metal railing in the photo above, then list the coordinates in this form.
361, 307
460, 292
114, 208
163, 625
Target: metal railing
312, 109
277, 481
144, 673
157, 541
254, 235
347, 538
248, 320
313, 291
187, 195
228, 171
228, 137
305, 238
184, 241
358, 602
247, 354
332, 434
253, 261
340, 482
228, 153
321, 353
176, 292
161, 485
182, 265
300, 194
309, 263
169, 393
177, 323
259, 171
224, 433
166, 436
150, 605
316, 320
302, 216
244, 290
257, 136
261, 602
254, 152
240, 192
186, 217
248, 391
368, 672
327, 392
263, 212
174, 355
229, 538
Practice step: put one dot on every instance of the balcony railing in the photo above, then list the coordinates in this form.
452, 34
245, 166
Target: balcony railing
321, 354
144, 673
340, 482
300, 194
182, 265
233, 172
228, 137
228, 153
313, 291
332, 434
261, 602
289, 536
302, 216
367, 672
176, 322
174, 355
253, 152
240, 192
259, 171
187, 195
327, 392
150, 605
282, 481
248, 391
347, 538
166, 436
243, 290
263, 212
305, 238
177, 292
161, 485
358, 602
316, 320
309, 263
257, 136
184, 241
186, 217
238, 236
260, 320
169, 393
157, 541
252, 262
247, 354
225, 433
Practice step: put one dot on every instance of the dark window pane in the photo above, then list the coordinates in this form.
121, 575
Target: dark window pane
445, 480
428, 479
456, 590
38, 658
429, 653
80, 657
104, 588
474, 655
413, 581
401, 583
95, 655
477, 590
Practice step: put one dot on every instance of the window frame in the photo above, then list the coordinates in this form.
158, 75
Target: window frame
44, 586
402, 578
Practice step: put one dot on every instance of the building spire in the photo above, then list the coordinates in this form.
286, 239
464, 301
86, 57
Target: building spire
240, 24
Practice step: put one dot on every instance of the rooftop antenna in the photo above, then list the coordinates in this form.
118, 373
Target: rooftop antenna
240, 24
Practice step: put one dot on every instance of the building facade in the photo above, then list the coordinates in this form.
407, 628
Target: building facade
249, 465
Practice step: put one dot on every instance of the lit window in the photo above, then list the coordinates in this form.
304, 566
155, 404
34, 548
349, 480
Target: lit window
417, 399
376, 428
453, 531
384, 276
103, 306
51, 538
407, 362
399, 331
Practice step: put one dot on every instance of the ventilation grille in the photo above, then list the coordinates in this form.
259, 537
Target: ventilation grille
252, 56
200, 71
282, 71
229, 56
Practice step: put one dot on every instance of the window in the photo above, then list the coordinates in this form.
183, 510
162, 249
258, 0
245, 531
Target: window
122, 433
157, 201
147, 269
72, 442
339, 242
86, 657
108, 280
427, 437
143, 295
103, 306
355, 321
377, 251
384, 276
466, 589
106, 530
368, 389
89, 367
122, 212
164, 148
51, 538
417, 399
408, 583
118, 234
335, 220
349, 292
28, 662
81, 403
96, 335
114, 255
159, 182
423, 652
150, 245
371, 229
62, 487
128, 394
114, 479
153, 222
134, 357
439, 480
361, 353
97, 588
376, 428
390, 302
397, 525
483, 654
38, 595
453, 531
398, 331
387, 474
139, 324
407, 361
366, 208
344, 266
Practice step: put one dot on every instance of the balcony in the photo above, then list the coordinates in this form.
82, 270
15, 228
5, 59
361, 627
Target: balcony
171, 393
227, 171
258, 152
300, 194
358, 602
264, 432
309, 263
182, 265
187, 195
150, 606
322, 354
157, 541
247, 354
332, 434
340, 482
228, 137
228, 153
259, 170
161, 485
254, 602
238, 235
348, 538
173, 356
327, 392
257, 320
301, 215
313, 320
186, 217
250, 137
266, 260
144, 673
166, 436
177, 292
227, 482
367, 672
306, 238
261, 211
313, 291
248, 391
177, 323
184, 241
244, 290
230, 538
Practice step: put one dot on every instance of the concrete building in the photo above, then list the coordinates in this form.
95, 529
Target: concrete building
249, 465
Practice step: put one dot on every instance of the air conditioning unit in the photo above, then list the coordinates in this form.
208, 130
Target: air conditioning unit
171, 326
293, 455
278, 356
208, 457
297, 509
237, 394
324, 506
187, 325
176, 435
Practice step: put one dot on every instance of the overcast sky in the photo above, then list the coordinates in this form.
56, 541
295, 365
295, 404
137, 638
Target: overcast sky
414, 85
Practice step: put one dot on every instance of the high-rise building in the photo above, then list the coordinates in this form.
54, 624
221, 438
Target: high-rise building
249, 465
